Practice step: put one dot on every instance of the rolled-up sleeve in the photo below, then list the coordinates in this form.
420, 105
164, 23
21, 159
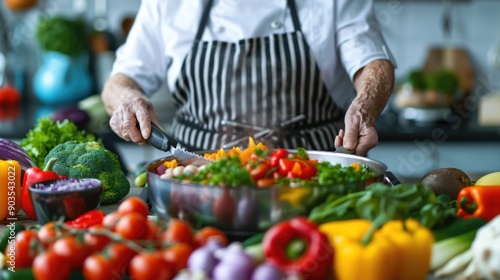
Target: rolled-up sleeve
142, 56
359, 37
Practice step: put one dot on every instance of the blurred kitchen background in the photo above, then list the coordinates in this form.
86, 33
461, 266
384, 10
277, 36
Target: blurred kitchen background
459, 129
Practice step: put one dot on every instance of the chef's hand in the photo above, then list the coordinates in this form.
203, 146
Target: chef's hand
360, 134
131, 111
373, 85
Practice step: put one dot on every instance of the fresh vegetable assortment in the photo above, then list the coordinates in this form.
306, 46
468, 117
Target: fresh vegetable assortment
261, 167
400, 232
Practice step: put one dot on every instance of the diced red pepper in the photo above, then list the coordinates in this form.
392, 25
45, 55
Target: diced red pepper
297, 168
88, 219
276, 155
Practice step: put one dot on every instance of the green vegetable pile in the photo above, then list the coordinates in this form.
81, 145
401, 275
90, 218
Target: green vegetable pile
47, 134
380, 201
91, 160
227, 171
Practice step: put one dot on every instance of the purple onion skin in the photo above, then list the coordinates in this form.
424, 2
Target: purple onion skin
10, 150
202, 259
267, 271
235, 263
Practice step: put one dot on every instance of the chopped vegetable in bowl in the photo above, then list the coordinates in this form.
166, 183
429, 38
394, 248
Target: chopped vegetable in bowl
263, 168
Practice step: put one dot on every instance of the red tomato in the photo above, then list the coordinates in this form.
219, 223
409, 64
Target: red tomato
177, 255
100, 267
22, 249
206, 233
154, 230
132, 226
178, 231
73, 250
150, 265
95, 240
111, 219
51, 266
49, 233
133, 204
121, 252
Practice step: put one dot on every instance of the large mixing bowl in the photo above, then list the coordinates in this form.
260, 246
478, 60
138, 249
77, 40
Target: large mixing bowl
246, 210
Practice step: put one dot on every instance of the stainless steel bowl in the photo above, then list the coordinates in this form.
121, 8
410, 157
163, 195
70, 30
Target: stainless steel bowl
245, 210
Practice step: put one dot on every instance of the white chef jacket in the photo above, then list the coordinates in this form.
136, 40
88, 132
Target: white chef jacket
343, 35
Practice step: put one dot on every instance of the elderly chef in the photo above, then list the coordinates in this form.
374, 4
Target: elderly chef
290, 73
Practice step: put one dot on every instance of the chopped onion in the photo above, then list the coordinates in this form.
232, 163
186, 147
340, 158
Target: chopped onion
71, 184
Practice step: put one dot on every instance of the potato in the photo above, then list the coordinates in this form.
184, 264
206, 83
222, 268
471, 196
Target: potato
491, 179
446, 181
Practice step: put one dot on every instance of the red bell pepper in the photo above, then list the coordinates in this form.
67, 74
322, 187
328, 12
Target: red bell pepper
32, 176
479, 202
316, 259
88, 219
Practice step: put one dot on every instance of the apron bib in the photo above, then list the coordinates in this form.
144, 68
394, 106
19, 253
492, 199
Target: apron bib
269, 88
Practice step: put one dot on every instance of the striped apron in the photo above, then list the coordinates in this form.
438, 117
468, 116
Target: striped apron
269, 88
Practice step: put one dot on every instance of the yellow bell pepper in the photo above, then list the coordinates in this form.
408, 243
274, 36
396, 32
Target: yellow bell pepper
354, 260
414, 244
10, 188
393, 252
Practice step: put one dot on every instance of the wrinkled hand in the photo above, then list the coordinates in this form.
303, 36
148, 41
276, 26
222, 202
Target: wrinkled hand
360, 134
132, 118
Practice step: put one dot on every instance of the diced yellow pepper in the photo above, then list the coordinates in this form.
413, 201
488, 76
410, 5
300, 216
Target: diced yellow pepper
234, 151
171, 163
356, 166
221, 153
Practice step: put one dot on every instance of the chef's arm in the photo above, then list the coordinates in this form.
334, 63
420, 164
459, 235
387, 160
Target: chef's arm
373, 85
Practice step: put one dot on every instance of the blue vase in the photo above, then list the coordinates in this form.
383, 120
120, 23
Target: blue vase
62, 79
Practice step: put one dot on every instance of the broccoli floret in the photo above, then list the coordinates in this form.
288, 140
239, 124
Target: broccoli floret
91, 160
121, 189
80, 171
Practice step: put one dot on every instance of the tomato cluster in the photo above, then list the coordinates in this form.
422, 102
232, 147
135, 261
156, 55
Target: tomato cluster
125, 243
